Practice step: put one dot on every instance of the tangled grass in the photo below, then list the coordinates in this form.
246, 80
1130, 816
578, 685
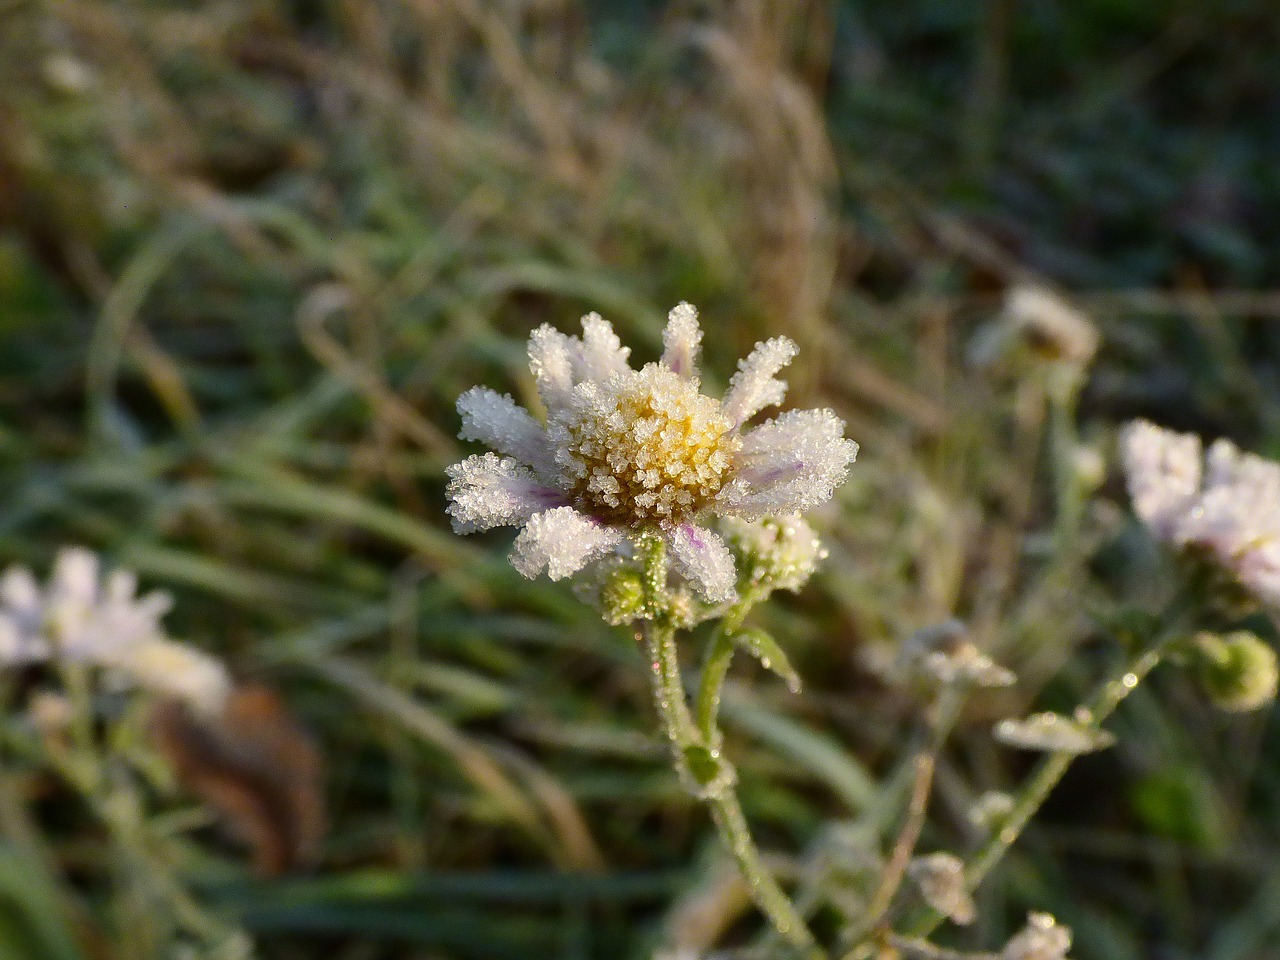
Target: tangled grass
250, 254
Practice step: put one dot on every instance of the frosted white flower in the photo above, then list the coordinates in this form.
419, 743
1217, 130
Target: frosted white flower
1228, 504
80, 616
1052, 732
625, 452
940, 877
1043, 938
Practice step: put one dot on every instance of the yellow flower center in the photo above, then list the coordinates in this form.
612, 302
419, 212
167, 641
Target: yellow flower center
649, 449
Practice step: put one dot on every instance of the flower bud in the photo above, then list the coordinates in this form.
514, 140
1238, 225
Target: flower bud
940, 877
1237, 671
1043, 938
622, 598
779, 553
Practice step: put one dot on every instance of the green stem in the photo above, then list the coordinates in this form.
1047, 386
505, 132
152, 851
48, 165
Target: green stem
1050, 771
714, 671
689, 741
716, 668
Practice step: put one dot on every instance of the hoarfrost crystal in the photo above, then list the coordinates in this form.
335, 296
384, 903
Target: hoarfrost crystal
1227, 502
625, 452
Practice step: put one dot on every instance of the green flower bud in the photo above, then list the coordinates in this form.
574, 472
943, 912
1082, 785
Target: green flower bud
622, 598
1237, 671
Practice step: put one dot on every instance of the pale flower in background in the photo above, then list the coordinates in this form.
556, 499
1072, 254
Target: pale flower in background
1035, 319
80, 616
625, 452
1043, 938
1053, 733
940, 877
1228, 503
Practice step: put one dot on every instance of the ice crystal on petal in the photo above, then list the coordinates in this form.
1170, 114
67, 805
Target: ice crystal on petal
1052, 733
497, 421
560, 541
756, 384
940, 877
789, 464
702, 558
487, 491
1043, 938
628, 453
681, 340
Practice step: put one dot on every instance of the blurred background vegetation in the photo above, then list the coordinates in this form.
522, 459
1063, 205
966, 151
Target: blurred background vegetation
252, 250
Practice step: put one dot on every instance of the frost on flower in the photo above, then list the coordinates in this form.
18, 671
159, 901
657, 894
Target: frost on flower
780, 553
80, 616
625, 452
1043, 938
940, 877
1227, 503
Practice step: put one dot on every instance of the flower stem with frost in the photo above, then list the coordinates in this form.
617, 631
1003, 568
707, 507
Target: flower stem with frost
696, 751
1040, 784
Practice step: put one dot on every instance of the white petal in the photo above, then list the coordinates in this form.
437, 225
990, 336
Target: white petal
755, 385
490, 491
1163, 470
561, 541
176, 670
551, 356
702, 558
789, 464
75, 575
681, 340
602, 353
19, 591
498, 421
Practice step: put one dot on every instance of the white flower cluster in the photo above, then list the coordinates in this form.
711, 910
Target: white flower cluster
626, 451
81, 617
1226, 502
944, 655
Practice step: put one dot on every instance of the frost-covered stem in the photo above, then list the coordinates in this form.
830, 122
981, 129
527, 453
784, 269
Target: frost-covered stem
716, 667
732, 825
1052, 768
687, 741
946, 710
668, 689
81, 767
714, 672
